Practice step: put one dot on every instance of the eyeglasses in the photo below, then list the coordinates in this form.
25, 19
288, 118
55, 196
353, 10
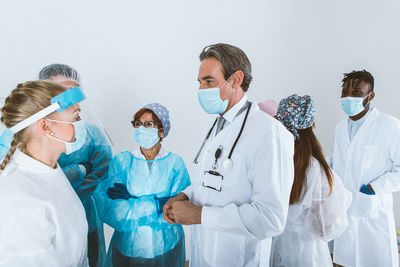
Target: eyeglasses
146, 124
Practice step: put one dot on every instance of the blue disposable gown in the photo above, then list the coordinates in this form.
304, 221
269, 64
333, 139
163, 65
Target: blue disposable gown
4, 146
95, 155
3, 151
142, 237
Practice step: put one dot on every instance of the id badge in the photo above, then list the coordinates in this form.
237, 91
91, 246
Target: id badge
213, 180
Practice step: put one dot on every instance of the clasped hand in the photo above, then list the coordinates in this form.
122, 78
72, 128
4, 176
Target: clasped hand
179, 210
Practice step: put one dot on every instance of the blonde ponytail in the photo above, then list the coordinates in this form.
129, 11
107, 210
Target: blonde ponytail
7, 158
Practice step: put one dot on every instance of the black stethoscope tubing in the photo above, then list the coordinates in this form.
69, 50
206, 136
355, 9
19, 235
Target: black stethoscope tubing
236, 140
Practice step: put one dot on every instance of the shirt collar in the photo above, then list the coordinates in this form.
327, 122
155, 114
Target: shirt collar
231, 114
138, 153
360, 121
25, 161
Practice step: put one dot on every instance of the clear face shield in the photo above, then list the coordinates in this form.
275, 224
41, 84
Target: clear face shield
3, 147
87, 112
58, 103
2, 126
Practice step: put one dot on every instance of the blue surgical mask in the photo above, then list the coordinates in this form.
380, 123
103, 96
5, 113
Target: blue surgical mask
353, 105
80, 136
146, 137
210, 100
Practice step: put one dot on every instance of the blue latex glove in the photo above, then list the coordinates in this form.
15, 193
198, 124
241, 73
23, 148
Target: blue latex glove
119, 191
88, 166
366, 190
161, 202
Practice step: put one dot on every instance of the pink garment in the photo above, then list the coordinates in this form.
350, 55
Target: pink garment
269, 107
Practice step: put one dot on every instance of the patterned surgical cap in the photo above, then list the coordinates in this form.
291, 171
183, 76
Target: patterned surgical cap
296, 112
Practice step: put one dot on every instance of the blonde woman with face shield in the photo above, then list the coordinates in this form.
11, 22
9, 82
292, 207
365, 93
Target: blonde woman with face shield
42, 220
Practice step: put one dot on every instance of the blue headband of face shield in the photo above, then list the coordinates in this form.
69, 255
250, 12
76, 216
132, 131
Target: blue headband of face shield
68, 98
58, 103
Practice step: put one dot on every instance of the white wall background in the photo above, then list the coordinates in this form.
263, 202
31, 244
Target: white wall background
130, 53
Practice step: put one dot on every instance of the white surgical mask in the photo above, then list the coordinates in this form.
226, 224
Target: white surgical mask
80, 136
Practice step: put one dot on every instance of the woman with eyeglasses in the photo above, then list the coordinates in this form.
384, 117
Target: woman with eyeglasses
131, 199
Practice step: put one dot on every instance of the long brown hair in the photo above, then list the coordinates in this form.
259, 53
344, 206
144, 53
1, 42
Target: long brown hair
305, 148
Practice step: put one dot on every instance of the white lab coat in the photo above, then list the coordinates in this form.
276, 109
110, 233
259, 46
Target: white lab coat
237, 223
372, 157
42, 221
313, 221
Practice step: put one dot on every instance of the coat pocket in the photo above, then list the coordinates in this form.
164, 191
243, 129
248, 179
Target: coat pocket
223, 249
367, 205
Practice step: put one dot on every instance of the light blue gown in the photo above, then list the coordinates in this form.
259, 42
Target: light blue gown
142, 237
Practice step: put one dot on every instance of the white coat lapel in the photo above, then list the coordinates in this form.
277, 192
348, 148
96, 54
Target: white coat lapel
360, 136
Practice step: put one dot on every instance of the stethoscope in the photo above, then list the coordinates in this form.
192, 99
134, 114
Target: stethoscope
227, 163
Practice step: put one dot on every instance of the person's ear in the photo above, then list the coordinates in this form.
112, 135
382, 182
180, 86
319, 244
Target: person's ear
371, 96
237, 79
43, 127
161, 133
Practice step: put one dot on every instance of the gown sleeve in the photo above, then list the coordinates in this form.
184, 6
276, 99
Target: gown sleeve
181, 178
99, 156
124, 215
324, 213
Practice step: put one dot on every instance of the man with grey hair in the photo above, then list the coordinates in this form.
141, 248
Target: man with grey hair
239, 198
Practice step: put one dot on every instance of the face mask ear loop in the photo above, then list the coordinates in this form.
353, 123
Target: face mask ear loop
368, 99
233, 89
63, 122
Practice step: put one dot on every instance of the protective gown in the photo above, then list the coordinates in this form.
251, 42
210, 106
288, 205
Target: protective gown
142, 237
313, 221
42, 221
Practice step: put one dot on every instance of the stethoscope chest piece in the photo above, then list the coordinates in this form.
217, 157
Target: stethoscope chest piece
227, 164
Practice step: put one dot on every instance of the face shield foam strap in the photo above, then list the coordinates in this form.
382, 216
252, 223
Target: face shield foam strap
58, 103
68, 98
